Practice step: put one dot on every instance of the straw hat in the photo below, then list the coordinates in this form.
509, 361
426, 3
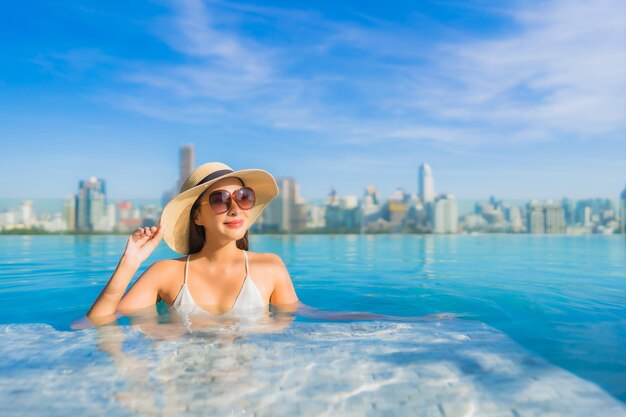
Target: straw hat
175, 216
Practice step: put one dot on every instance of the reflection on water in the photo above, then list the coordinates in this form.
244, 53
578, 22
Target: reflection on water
430, 367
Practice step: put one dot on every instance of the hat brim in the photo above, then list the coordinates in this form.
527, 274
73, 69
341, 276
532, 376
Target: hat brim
175, 216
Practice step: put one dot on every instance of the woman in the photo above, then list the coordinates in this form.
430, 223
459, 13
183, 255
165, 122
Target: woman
208, 222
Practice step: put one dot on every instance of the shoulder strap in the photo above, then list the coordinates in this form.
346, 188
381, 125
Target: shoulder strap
245, 254
187, 268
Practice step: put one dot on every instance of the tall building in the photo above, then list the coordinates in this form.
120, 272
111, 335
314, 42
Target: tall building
370, 209
287, 212
554, 216
426, 184
107, 221
27, 214
69, 212
90, 203
187, 163
622, 203
568, 210
446, 214
342, 213
315, 217
515, 219
397, 208
535, 223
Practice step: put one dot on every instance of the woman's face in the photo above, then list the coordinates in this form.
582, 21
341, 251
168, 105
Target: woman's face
231, 224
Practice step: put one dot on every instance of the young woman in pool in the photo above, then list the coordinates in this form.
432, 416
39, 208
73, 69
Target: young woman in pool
208, 223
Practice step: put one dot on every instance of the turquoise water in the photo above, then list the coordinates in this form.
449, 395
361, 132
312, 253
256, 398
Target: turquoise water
561, 300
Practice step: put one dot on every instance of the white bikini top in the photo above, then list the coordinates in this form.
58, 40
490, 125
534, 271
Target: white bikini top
249, 299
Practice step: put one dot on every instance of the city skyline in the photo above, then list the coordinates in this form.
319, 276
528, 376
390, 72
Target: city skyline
425, 211
92, 191
335, 95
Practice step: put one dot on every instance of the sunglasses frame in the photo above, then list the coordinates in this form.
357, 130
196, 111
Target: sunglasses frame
231, 198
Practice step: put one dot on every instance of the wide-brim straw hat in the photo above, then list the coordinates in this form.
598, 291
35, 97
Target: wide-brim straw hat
175, 216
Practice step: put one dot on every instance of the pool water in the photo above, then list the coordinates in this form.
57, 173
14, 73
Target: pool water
539, 328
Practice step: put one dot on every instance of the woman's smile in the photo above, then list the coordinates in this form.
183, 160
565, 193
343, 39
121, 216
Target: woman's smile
234, 224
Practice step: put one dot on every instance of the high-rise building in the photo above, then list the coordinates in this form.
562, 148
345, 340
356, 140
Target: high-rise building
446, 214
187, 163
370, 209
535, 223
69, 212
397, 208
622, 203
90, 203
426, 184
287, 212
342, 213
315, 217
27, 214
515, 219
107, 221
554, 216
568, 210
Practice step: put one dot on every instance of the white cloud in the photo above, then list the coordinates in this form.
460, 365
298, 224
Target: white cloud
564, 72
560, 71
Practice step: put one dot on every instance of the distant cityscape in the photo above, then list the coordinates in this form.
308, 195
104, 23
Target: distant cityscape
89, 211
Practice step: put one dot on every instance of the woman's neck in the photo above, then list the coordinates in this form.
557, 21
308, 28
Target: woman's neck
214, 252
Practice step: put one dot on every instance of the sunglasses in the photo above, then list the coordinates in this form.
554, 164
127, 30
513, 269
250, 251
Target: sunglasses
220, 201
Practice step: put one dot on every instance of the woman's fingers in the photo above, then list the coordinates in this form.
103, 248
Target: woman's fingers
143, 234
145, 231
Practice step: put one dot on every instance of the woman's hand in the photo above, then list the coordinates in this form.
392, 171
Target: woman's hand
142, 243
139, 246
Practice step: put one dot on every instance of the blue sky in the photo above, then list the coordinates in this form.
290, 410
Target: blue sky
513, 99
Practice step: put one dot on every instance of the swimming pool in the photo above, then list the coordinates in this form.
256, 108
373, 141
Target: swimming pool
541, 329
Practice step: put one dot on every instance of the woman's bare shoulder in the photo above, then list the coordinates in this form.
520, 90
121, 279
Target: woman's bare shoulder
165, 265
161, 270
266, 260
268, 266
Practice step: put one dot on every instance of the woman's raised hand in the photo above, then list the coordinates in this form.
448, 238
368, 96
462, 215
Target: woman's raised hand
142, 243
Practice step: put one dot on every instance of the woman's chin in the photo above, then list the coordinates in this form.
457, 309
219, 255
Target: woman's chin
235, 234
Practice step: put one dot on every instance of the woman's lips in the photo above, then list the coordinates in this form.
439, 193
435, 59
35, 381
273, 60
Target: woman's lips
234, 224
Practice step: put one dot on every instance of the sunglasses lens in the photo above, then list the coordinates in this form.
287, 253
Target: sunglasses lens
219, 201
245, 198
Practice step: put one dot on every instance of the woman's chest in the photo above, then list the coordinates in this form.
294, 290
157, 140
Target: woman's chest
219, 293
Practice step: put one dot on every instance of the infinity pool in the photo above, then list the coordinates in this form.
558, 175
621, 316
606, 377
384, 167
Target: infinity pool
494, 325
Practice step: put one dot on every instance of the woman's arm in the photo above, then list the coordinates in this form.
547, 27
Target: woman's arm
284, 295
139, 246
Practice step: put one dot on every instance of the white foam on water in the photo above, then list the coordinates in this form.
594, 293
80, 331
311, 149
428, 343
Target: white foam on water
436, 368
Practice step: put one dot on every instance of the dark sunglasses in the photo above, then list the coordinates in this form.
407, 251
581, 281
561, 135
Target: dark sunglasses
220, 200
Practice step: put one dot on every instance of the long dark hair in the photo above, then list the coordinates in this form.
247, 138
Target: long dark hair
196, 232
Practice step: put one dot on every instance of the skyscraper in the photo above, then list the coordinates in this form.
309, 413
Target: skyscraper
69, 212
370, 209
515, 219
446, 214
426, 184
536, 219
622, 203
187, 163
554, 217
90, 203
286, 212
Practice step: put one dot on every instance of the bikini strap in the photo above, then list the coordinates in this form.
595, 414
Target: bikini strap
246, 256
186, 269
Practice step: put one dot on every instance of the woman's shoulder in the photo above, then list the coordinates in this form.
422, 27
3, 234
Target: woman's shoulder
165, 267
268, 266
167, 275
265, 260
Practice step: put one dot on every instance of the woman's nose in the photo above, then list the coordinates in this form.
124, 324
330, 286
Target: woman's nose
234, 209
